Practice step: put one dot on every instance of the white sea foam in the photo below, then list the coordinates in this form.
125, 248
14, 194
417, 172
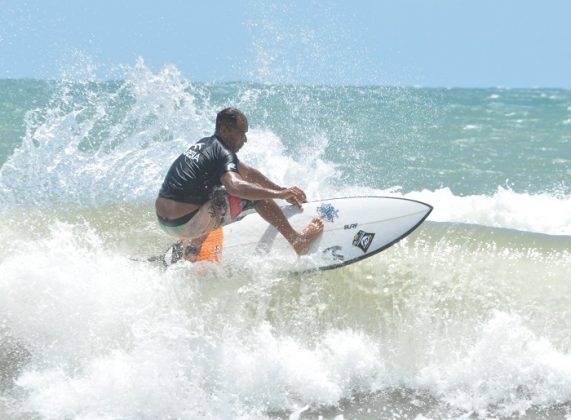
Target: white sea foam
508, 367
543, 213
123, 339
112, 338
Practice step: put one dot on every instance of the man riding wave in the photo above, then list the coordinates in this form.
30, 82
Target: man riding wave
207, 187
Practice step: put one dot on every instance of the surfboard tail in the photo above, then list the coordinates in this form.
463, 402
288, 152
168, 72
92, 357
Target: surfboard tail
211, 250
212, 247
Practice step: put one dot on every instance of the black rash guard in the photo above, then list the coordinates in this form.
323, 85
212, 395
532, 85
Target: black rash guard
194, 174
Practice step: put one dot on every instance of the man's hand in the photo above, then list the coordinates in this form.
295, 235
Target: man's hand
293, 195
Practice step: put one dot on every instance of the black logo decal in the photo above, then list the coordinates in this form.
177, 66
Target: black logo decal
363, 240
333, 251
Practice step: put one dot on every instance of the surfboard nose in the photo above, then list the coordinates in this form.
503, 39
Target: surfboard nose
427, 208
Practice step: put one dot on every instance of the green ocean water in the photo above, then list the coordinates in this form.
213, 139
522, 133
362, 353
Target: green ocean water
470, 140
468, 317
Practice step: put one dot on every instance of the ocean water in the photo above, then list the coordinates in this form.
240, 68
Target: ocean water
468, 317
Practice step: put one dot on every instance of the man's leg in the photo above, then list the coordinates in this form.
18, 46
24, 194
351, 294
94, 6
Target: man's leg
301, 242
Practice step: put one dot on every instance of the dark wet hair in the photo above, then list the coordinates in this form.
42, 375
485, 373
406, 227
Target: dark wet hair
229, 117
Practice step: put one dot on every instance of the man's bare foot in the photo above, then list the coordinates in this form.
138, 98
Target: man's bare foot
308, 236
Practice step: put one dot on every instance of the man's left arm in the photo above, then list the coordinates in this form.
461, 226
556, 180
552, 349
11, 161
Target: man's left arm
253, 175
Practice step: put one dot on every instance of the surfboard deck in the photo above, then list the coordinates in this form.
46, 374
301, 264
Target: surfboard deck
354, 228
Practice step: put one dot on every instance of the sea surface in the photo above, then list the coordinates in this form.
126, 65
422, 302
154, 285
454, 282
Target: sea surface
468, 317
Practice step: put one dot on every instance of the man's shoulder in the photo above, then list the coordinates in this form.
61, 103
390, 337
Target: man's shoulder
204, 144
205, 141
221, 147
212, 149
210, 141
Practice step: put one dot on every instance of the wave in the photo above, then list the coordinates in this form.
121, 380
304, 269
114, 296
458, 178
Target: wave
86, 330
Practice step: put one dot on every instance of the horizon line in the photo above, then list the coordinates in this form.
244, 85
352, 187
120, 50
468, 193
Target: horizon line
313, 85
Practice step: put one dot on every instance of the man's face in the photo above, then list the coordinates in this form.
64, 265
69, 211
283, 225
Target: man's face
234, 138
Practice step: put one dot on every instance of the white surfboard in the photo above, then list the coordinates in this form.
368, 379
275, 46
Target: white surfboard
355, 228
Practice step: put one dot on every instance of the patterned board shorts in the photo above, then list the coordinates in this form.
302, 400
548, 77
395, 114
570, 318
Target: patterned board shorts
221, 209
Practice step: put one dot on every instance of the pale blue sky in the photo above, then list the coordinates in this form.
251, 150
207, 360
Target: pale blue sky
449, 43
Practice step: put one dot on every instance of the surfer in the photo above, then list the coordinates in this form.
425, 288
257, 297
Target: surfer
207, 187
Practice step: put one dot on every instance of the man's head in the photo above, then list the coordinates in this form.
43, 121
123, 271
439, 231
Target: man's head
231, 128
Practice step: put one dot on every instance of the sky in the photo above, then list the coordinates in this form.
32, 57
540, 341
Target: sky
440, 43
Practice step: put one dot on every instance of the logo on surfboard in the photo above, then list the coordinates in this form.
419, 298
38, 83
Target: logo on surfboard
334, 253
363, 240
328, 212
